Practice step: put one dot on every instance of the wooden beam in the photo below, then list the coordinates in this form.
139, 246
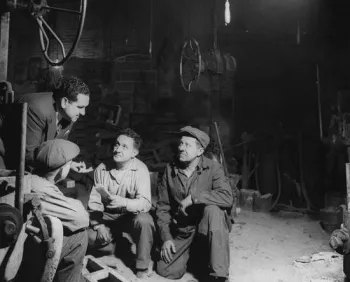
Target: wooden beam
4, 44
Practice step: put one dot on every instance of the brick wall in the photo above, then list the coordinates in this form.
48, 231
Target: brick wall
135, 86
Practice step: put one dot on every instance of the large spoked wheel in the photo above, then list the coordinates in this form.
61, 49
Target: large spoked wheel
191, 64
38, 10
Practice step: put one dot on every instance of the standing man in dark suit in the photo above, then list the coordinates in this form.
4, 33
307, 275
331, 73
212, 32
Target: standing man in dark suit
50, 116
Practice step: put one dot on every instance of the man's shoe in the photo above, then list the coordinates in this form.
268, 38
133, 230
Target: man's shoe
142, 273
219, 279
145, 273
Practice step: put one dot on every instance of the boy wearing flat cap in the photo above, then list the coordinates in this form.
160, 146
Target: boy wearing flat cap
52, 161
194, 204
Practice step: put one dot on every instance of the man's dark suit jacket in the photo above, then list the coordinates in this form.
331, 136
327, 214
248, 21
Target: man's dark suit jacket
41, 126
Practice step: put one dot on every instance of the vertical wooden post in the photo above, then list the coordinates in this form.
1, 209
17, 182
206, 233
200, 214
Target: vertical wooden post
245, 168
21, 165
215, 28
4, 44
347, 170
221, 148
319, 104
150, 50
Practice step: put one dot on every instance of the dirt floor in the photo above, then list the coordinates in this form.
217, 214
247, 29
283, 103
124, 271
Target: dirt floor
280, 247
269, 247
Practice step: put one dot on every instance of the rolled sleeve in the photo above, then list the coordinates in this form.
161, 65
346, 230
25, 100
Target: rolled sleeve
163, 210
142, 200
95, 201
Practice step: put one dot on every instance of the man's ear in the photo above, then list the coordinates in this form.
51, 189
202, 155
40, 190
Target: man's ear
64, 102
200, 151
135, 152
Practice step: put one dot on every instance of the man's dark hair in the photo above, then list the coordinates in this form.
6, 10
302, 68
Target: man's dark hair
133, 135
69, 87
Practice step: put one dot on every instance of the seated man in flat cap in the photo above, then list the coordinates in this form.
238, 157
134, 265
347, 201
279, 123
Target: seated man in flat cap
194, 204
120, 201
53, 160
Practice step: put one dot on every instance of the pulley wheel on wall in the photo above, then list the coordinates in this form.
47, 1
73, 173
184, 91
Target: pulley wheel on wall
191, 64
45, 31
11, 223
45, 13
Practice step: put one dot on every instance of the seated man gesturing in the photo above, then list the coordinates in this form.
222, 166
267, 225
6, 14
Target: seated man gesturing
120, 200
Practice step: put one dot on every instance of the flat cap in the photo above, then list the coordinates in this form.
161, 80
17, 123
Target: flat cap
200, 135
53, 154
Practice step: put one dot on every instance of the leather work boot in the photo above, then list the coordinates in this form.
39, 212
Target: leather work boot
145, 273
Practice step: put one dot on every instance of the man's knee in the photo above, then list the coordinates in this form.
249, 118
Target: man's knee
78, 238
92, 237
213, 211
75, 246
170, 271
96, 245
143, 220
213, 219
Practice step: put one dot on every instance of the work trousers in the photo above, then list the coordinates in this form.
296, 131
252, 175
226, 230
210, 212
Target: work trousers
69, 269
2, 162
346, 266
213, 230
140, 226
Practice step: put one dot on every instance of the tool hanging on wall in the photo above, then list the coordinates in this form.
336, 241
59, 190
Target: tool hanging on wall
194, 63
223, 160
233, 179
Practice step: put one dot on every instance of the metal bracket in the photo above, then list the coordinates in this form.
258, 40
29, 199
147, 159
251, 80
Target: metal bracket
6, 93
36, 209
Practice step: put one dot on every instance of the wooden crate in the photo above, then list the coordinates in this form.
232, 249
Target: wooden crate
246, 199
95, 271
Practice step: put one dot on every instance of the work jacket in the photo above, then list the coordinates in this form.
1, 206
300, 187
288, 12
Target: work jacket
70, 211
208, 186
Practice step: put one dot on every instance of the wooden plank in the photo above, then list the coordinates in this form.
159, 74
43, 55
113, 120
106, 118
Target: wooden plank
21, 166
4, 44
94, 271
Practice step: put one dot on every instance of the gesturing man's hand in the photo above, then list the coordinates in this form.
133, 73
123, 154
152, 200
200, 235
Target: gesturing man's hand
116, 202
168, 249
185, 203
104, 235
80, 167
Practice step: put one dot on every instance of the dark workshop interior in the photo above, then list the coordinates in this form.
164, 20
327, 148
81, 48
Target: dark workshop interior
267, 80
